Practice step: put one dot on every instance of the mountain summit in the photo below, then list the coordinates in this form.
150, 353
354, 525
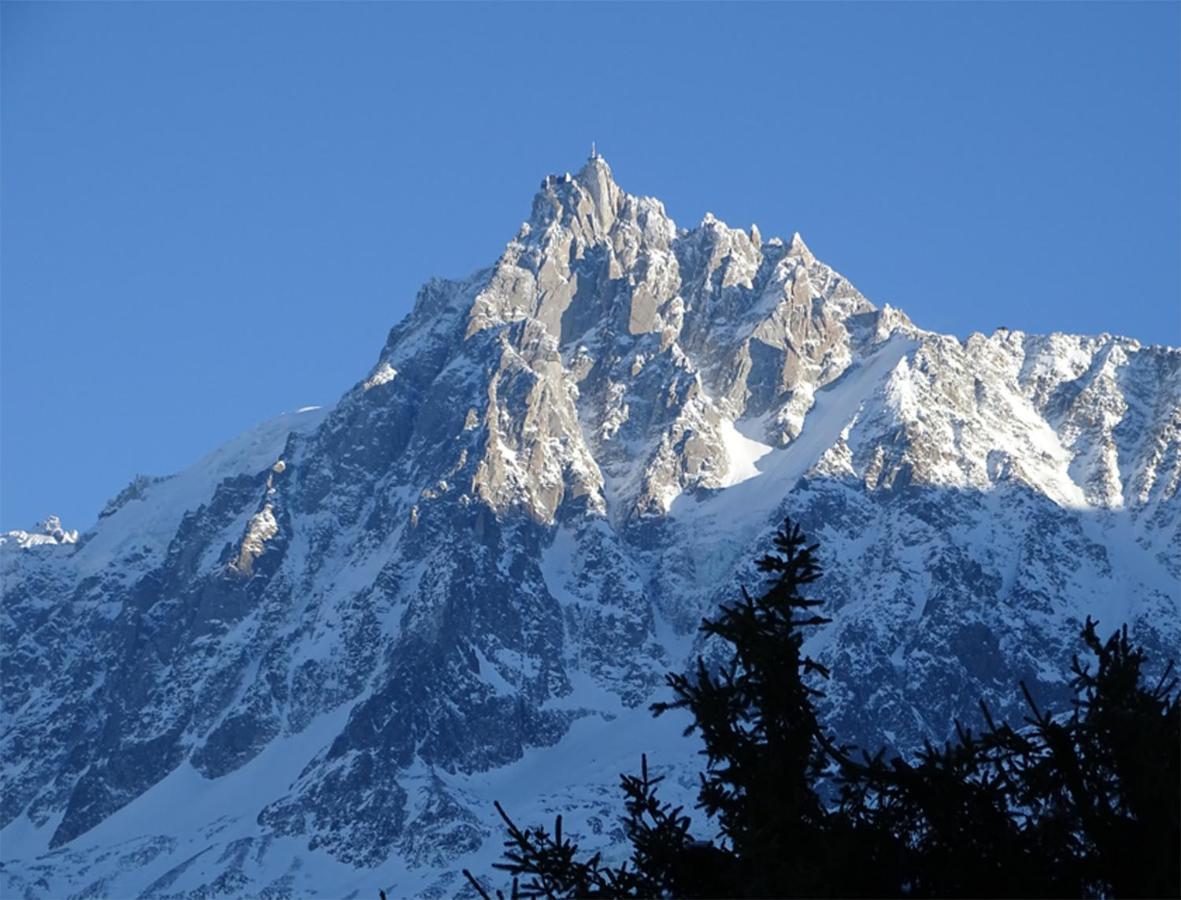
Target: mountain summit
308, 663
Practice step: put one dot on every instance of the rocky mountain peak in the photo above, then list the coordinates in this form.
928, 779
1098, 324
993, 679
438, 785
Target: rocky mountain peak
309, 662
50, 531
586, 203
797, 249
606, 195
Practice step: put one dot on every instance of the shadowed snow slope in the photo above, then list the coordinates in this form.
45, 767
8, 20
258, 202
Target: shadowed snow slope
308, 664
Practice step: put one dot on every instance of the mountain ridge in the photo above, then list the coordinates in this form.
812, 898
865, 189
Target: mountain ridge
504, 534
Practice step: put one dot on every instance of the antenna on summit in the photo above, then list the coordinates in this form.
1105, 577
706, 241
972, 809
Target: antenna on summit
594, 152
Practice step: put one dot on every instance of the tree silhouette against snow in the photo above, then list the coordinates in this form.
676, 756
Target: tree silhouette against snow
1082, 804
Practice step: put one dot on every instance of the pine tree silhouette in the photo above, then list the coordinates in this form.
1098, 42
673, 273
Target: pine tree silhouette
1082, 804
764, 747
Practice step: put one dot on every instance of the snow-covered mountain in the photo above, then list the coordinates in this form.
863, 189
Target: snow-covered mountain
308, 664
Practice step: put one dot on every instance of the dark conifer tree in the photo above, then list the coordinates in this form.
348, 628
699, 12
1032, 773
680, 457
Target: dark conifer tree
766, 752
1084, 804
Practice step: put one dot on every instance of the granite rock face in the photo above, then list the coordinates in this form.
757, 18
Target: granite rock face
307, 664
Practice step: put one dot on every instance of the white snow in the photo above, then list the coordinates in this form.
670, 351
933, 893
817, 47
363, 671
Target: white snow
261, 529
149, 523
198, 814
49, 532
742, 452
755, 497
383, 374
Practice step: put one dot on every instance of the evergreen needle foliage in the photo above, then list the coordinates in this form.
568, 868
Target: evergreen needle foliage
1081, 804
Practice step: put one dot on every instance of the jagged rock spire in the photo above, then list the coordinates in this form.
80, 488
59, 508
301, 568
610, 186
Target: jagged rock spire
797, 248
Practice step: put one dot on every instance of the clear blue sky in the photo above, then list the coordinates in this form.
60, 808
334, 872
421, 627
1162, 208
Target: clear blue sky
214, 212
